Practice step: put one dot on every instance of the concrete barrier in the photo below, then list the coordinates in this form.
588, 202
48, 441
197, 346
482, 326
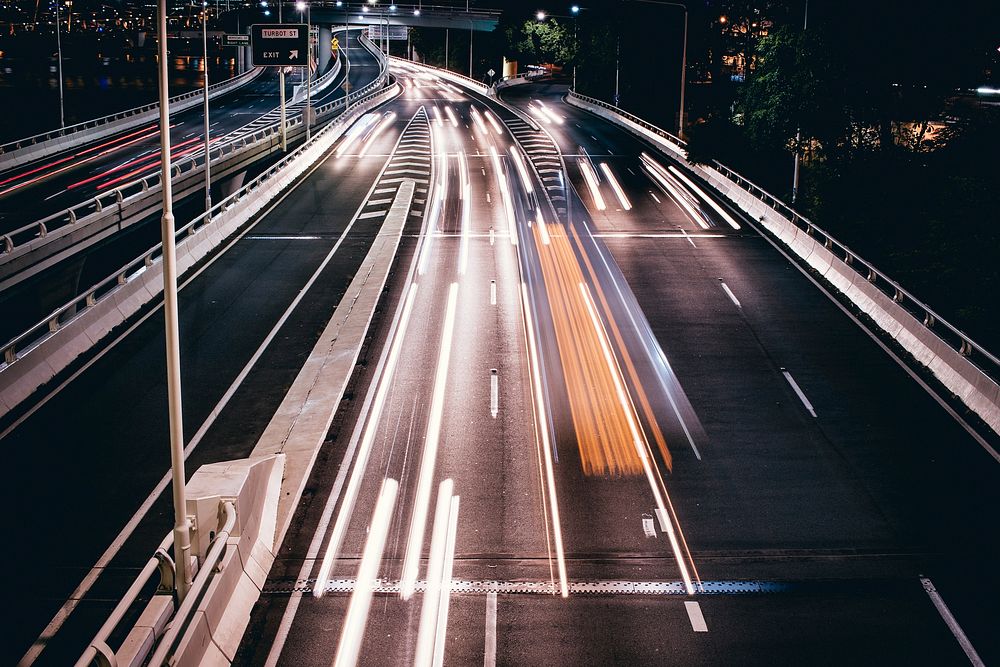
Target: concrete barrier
88, 319
979, 391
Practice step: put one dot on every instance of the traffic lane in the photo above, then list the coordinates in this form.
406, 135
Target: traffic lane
88, 172
226, 313
63, 179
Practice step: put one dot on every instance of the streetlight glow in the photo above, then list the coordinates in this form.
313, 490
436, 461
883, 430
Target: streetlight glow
540, 16
575, 9
300, 5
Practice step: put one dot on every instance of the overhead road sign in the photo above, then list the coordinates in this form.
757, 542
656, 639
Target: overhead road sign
280, 44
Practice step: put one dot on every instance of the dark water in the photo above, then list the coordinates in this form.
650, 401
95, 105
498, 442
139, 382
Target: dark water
93, 86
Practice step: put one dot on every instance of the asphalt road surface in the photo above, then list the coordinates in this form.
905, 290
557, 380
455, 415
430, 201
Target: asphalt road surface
621, 424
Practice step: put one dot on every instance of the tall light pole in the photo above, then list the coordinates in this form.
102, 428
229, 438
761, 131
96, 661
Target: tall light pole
798, 132
303, 6
281, 85
62, 113
182, 533
575, 10
680, 114
204, 60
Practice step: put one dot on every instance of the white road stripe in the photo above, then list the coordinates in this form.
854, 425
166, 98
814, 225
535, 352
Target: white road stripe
952, 624
695, 616
729, 293
651, 194
493, 285
798, 392
490, 653
494, 393
373, 214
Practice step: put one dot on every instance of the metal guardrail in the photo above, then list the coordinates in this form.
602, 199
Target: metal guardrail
19, 144
111, 203
954, 337
32, 337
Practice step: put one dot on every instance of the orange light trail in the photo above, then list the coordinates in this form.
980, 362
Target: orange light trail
604, 436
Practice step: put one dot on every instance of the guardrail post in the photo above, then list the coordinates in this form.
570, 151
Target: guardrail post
54, 324
898, 296
42, 230
99, 206
121, 278
929, 319
8, 244
9, 355
72, 217
872, 276
966, 349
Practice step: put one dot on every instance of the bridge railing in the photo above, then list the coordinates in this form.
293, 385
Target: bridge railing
16, 348
91, 211
30, 148
933, 323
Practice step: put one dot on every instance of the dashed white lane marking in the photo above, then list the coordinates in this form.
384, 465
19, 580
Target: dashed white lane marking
798, 392
490, 654
729, 293
952, 624
651, 194
494, 393
493, 292
373, 214
695, 616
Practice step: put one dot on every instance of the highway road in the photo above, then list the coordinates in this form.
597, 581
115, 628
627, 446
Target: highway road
813, 491
622, 423
32, 191
65, 180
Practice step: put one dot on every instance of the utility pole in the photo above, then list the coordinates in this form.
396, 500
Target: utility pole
204, 60
62, 113
182, 534
798, 132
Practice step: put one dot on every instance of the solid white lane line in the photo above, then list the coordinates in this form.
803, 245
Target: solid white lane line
493, 288
427, 629
798, 392
729, 293
422, 496
695, 616
490, 653
357, 473
446, 570
494, 393
950, 621
353, 630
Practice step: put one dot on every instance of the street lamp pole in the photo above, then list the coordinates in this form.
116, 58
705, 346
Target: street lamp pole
204, 60
182, 534
798, 131
281, 86
307, 115
62, 113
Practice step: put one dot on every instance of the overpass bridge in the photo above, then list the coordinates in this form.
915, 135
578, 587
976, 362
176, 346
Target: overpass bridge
546, 394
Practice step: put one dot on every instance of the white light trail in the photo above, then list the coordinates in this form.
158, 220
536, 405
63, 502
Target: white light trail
353, 631
422, 496
549, 113
522, 171
508, 205
446, 571
437, 116
542, 230
494, 122
711, 202
386, 122
626, 204
478, 120
661, 176
640, 444
367, 440
591, 177
356, 131
543, 429
438, 196
466, 198
427, 630
451, 116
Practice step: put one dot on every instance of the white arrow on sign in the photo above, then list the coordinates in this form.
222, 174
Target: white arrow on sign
293, 55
